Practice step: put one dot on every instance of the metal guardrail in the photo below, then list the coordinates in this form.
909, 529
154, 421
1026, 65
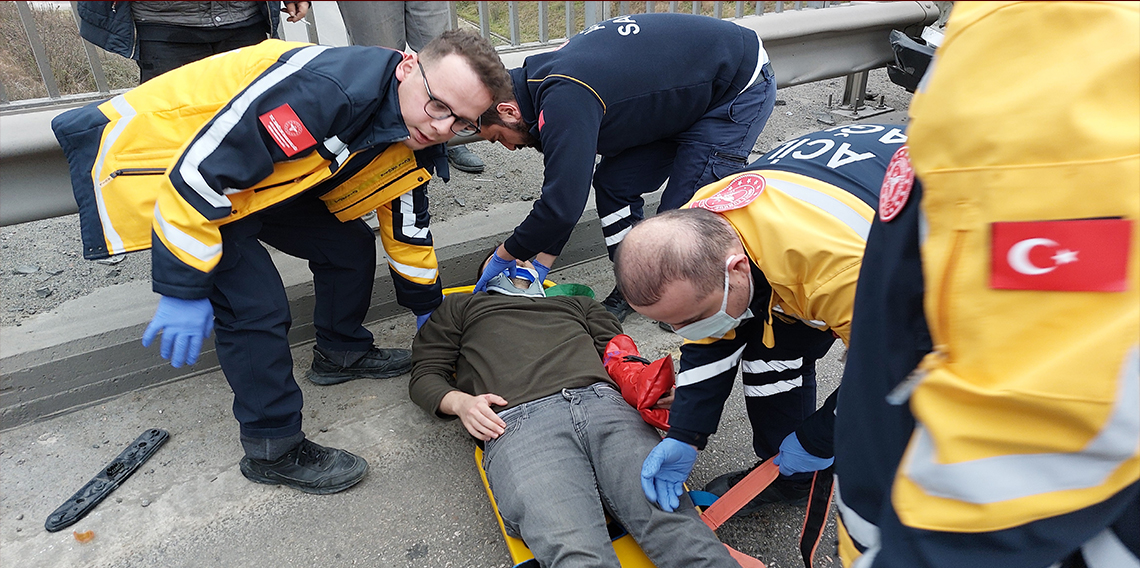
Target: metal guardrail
805, 45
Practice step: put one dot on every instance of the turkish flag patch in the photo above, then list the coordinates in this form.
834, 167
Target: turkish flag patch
1077, 255
740, 192
287, 130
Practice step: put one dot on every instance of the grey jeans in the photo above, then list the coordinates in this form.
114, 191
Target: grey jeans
562, 458
392, 24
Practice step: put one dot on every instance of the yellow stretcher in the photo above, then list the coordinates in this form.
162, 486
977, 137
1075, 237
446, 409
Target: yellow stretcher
627, 549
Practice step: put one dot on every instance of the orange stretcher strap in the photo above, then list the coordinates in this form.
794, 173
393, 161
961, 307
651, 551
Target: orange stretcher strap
724, 508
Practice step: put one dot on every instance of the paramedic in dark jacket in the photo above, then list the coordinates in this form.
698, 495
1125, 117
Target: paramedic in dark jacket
658, 96
287, 144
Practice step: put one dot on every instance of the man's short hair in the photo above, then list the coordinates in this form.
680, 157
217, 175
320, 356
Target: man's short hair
682, 244
479, 54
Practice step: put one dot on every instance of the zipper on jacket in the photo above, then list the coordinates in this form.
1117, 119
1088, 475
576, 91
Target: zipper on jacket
132, 172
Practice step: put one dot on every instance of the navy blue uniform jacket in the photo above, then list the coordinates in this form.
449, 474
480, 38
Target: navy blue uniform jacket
620, 84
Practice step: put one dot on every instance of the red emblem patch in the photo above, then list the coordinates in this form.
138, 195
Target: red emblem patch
1080, 255
541, 120
896, 185
287, 130
742, 191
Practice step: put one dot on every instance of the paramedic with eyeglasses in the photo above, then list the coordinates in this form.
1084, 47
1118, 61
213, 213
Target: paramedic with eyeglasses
286, 144
758, 272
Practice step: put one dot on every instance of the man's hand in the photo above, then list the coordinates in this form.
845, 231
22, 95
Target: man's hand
793, 458
296, 10
475, 413
495, 265
666, 401
184, 325
665, 471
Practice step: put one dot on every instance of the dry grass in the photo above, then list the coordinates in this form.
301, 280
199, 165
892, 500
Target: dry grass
499, 15
66, 55
57, 29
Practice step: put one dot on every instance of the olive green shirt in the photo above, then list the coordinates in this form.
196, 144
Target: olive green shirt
519, 348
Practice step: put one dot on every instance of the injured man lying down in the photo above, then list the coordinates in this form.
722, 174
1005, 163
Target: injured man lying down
524, 374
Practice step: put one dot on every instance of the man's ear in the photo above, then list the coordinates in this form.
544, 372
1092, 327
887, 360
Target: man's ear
407, 66
509, 112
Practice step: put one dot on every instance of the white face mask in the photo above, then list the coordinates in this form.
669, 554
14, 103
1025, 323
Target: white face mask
720, 323
502, 284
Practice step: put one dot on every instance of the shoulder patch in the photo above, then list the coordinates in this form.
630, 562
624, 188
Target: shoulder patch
896, 185
287, 130
742, 191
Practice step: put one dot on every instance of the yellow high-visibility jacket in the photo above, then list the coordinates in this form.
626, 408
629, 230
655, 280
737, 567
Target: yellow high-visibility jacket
1027, 412
164, 165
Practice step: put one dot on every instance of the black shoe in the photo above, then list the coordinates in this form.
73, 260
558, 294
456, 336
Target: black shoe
616, 305
465, 160
376, 364
310, 468
665, 327
782, 490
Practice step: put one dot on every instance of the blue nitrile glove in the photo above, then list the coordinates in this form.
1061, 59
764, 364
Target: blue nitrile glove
494, 267
793, 458
665, 470
184, 325
421, 319
542, 270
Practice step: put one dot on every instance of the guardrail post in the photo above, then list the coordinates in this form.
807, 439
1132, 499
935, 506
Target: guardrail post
543, 33
38, 50
92, 57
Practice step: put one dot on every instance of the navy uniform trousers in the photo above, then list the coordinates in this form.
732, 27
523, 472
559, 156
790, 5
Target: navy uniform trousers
252, 317
713, 147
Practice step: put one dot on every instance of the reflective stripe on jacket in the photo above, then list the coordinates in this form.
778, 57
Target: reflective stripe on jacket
165, 164
1029, 408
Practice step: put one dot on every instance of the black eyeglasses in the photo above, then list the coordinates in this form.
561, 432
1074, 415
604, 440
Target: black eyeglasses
439, 110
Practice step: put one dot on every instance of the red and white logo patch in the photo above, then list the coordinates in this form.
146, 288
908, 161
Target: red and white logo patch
287, 130
896, 185
1079, 255
740, 192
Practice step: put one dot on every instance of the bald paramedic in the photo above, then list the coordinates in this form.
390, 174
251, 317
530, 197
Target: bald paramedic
656, 96
286, 144
758, 273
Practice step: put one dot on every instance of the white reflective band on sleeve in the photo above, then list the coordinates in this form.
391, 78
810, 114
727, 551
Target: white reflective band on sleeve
1106, 551
1001, 478
225, 122
126, 113
698, 374
408, 226
412, 271
829, 204
774, 388
761, 60
616, 216
186, 243
864, 532
758, 366
337, 148
615, 239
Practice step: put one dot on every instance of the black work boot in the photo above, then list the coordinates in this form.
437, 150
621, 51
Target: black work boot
376, 363
783, 490
465, 160
308, 467
615, 304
